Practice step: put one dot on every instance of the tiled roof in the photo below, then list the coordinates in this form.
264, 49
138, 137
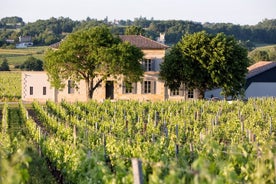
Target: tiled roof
259, 67
137, 40
143, 42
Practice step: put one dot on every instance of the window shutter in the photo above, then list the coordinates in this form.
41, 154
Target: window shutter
153, 87
144, 65
142, 87
153, 64
134, 88
123, 88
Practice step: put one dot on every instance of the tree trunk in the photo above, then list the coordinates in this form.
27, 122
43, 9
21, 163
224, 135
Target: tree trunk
90, 87
89, 92
201, 93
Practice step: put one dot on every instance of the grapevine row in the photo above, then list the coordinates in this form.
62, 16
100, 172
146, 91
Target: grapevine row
181, 142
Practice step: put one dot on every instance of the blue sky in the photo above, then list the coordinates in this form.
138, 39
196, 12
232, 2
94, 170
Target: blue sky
229, 11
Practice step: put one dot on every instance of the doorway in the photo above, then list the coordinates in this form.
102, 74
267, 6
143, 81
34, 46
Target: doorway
109, 90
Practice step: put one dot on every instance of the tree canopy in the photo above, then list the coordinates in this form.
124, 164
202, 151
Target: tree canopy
92, 55
206, 61
4, 65
134, 30
32, 64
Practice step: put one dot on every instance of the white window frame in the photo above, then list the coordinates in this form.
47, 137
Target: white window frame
175, 92
148, 87
148, 64
190, 93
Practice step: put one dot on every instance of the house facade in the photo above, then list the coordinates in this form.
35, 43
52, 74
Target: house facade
260, 81
24, 42
150, 88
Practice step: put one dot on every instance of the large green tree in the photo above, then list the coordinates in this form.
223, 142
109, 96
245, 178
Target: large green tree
206, 61
92, 55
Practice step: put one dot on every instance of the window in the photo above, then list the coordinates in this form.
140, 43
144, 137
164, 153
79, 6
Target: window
31, 90
175, 92
129, 87
190, 93
148, 86
44, 90
178, 92
148, 64
70, 86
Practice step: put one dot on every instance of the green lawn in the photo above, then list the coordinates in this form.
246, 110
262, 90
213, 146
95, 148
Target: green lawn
18, 56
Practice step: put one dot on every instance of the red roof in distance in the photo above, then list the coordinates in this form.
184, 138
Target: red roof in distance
142, 42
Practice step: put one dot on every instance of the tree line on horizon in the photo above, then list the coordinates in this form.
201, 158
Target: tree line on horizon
46, 32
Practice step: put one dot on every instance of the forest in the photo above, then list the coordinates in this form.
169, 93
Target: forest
46, 32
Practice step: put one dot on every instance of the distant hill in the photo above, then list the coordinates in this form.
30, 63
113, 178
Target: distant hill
263, 53
46, 32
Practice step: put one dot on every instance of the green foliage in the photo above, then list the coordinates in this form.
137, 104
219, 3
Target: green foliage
11, 20
92, 54
266, 53
259, 55
204, 61
49, 31
134, 30
45, 32
32, 64
13, 159
4, 65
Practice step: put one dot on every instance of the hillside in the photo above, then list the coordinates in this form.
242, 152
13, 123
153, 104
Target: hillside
263, 53
45, 32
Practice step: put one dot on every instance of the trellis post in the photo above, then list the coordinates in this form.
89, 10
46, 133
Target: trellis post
137, 170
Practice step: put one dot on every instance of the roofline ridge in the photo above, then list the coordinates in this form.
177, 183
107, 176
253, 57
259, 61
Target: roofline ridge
155, 41
260, 69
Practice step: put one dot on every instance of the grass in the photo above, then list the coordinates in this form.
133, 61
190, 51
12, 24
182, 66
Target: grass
18, 56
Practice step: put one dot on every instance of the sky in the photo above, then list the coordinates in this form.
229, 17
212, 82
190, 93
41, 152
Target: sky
243, 12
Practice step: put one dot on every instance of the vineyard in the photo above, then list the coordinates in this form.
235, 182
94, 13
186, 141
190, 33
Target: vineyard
174, 142
10, 86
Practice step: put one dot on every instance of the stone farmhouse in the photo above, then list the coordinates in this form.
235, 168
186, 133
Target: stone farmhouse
35, 85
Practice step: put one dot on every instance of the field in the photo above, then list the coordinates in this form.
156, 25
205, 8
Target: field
10, 86
174, 142
18, 56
